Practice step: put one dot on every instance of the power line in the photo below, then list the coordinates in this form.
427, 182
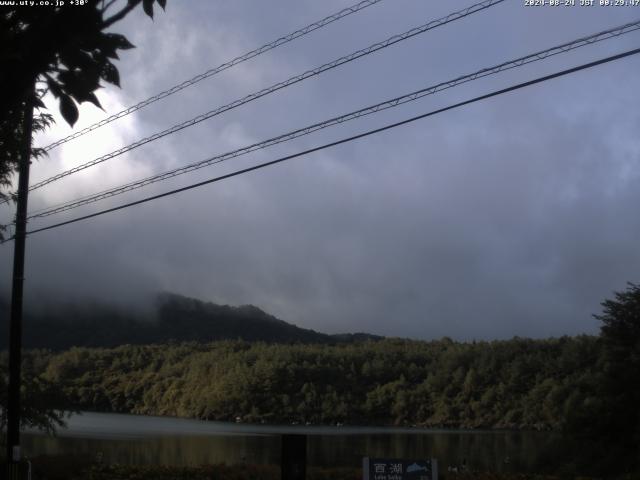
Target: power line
348, 139
278, 86
534, 57
209, 73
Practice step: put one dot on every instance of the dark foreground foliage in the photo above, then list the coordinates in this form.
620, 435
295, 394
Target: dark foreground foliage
77, 467
72, 468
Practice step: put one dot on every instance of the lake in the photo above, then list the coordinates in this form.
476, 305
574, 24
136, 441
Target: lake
143, 440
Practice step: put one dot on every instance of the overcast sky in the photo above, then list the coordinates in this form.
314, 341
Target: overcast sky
514, 216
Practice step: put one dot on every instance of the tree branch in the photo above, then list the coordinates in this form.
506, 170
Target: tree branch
106, 7
118, 16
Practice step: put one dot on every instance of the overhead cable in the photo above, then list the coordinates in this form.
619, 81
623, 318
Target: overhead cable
345, 140
534, 57
209, 73
278, 86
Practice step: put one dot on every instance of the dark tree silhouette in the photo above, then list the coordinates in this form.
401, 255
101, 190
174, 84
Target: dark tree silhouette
44, 408
65, 50
620, 334
605, 411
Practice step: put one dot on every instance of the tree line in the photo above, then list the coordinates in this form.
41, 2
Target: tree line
519, 383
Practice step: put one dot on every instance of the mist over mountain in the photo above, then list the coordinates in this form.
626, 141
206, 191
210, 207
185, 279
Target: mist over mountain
171, 318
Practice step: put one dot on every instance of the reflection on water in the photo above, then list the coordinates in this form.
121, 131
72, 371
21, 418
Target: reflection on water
162, 450
148, 440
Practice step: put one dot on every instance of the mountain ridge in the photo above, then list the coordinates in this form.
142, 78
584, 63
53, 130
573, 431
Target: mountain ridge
174, 318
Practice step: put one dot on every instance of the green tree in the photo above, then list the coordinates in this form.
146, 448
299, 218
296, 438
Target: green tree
602, 407
620, 335
43, 408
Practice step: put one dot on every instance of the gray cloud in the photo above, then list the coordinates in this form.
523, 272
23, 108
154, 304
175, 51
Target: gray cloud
514, 216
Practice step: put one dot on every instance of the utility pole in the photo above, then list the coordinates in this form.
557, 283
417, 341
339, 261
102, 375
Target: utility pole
15, 328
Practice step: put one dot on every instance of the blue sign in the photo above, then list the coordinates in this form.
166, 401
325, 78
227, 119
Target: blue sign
399, 469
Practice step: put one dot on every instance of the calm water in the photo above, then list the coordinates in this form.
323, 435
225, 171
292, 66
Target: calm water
132, 439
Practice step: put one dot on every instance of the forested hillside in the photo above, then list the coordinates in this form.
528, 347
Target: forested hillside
512, 384
172, 318
584, 386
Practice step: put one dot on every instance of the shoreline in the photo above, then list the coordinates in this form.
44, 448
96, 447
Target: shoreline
86, 423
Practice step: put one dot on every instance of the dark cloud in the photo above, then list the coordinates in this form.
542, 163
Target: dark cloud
515, 216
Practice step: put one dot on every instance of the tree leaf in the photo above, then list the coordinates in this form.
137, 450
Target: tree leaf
80, 85
73, 58
106, 48
53, 86
115, 41
110, 74
93, 99
68, 109
147, 6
